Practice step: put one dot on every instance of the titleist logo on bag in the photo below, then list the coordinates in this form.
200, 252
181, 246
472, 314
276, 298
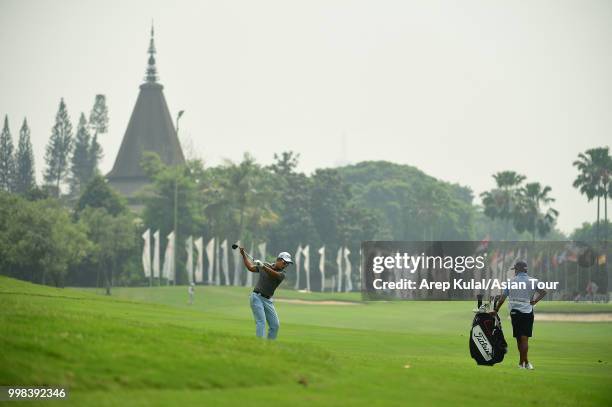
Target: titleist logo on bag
482, 343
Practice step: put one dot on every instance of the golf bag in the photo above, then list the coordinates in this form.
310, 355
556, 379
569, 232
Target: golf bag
487, 343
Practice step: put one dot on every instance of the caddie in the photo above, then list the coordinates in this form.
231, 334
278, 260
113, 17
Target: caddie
521, 301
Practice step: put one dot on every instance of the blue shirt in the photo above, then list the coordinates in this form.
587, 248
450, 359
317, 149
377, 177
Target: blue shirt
519, 298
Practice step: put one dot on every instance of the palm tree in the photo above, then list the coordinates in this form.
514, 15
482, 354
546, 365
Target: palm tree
239, 199
533, 212
500, 202
594, 179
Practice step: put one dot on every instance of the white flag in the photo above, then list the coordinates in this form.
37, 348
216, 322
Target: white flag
322, 267
298, 263
339, 263
189, 265
225, 263
237, 264
168, 268
156, 254
210, 255
146, 253
348, 269
306, 254
199, 271
217, 263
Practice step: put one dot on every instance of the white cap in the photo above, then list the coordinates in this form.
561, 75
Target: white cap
285, 256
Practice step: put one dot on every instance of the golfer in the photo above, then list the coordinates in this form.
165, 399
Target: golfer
270, 276
521, 302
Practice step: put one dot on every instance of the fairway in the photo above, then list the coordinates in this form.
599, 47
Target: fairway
148, 347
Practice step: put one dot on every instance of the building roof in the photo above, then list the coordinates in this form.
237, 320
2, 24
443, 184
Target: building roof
150, 129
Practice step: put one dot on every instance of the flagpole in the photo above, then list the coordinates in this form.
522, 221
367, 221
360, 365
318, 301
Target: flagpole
178, 117
577, 278
566, 290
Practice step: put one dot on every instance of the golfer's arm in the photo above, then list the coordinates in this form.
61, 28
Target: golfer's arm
501, 301
538, 296
248, 264
272, 272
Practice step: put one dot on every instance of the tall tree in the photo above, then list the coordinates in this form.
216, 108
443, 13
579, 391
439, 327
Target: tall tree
292, 204
7, 160
58, 149
533, 212
594, 179
81, 168
25, 179
94, 155
500, 202
245, 191
236, 200
98, 121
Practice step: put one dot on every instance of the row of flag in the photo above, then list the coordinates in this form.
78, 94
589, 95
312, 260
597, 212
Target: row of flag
571, 252
218, 253
343, 268
544, 259
151, 265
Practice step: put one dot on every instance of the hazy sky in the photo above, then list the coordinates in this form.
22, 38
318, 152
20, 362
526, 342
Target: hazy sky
459, 89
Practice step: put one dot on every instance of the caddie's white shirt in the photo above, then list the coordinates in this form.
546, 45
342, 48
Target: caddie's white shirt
520, 298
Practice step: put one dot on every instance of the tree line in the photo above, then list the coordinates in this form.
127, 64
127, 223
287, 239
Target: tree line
88, 236
594, 181
70, 158
91, 243
524, 206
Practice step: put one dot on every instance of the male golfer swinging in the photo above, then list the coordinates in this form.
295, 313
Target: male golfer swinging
270, 276
521, 302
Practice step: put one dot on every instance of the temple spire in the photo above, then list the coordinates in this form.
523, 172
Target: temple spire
151, 128
151, 68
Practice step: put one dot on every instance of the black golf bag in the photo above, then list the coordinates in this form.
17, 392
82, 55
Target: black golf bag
487, 343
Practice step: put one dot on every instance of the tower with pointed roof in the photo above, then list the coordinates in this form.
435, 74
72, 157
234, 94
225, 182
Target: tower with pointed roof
150, 129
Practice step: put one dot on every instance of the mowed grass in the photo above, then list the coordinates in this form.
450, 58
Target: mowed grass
148, 347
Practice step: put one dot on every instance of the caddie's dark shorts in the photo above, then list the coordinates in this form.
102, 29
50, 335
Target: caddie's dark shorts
522, 323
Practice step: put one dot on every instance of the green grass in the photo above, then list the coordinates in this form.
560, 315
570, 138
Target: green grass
148, 347
573, 307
